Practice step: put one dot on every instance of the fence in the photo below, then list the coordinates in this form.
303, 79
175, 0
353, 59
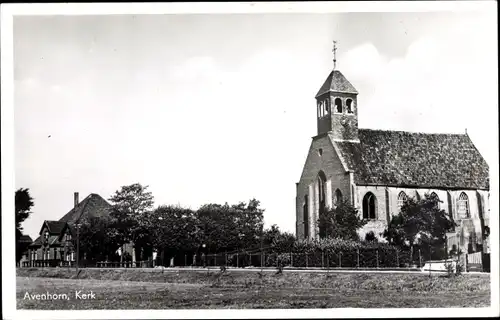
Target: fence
474, 261
367, 258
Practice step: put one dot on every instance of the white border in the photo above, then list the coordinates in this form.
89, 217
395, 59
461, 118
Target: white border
7, 161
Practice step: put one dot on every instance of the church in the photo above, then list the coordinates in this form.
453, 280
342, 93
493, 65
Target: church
377, 170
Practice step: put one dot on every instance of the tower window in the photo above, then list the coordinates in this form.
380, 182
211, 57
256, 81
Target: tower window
338, 105
349, 106
463, 206
327, 106
320, 152
369, 206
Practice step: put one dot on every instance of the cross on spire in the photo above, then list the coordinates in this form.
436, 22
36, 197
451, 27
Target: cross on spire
334, 50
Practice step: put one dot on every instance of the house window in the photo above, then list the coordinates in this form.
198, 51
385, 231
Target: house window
338, 105
369, 206
402, 198
68, 237
349, 106
305, 210
463, 206
338, 197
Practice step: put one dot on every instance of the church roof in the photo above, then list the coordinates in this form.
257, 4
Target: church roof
399, 158
336, 82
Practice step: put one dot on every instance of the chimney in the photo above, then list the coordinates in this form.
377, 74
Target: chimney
76, 199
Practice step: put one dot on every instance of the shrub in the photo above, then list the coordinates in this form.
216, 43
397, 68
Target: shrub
370, 237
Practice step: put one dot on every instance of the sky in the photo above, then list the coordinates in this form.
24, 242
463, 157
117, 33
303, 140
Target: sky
215, 108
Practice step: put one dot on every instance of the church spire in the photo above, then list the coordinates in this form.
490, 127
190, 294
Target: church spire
334, 50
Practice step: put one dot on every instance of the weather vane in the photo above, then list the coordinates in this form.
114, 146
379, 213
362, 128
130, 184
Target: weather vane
334, 50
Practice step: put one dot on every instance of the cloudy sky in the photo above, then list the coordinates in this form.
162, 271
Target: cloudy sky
212, 108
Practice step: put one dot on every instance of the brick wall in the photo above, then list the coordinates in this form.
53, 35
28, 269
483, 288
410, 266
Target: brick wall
336, 176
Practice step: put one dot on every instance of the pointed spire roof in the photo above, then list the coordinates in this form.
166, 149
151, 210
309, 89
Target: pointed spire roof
336, 82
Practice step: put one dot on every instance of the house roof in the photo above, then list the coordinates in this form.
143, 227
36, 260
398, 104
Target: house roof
92, 206
399, 158
336, 82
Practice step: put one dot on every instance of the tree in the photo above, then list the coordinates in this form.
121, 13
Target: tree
131, 204
340, 222
173, 230
422, 223
95, 241
23, 204
230, 227
277, 240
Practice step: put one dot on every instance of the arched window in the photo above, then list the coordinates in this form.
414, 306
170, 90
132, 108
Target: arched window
369, 206
327, 105
349, 106
435, 197
338, 105
321, 198
338, 197
463, 206
401, 199
321, 190
305, 210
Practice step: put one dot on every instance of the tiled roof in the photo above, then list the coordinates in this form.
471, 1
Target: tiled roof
336, 82
92, 206
55, 227
399, 158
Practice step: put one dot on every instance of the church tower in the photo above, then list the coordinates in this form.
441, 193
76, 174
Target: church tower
337, 111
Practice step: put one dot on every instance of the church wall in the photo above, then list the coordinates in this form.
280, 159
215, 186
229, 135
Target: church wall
379, 224
336, 178
387, 206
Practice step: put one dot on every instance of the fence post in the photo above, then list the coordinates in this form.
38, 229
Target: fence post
419, 259
307, 263
340, 259
397, 259
291, 259
357, 256
377, 258
237, 260
322, 259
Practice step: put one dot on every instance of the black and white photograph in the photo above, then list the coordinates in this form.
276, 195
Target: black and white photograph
266, 160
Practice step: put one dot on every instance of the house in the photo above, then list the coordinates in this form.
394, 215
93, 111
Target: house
377, 170
55, 245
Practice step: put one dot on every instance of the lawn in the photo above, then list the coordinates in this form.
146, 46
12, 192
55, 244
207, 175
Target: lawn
119, 289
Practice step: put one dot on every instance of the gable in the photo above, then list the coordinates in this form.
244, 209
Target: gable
407, 159
328, 162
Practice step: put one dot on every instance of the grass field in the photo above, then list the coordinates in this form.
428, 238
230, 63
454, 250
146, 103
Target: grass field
119, 289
